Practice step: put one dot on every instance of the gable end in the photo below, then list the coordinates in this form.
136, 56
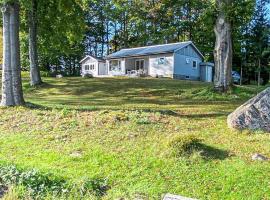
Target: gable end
191, 51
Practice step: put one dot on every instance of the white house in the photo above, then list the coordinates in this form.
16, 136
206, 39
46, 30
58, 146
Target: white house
178, 60
93, 65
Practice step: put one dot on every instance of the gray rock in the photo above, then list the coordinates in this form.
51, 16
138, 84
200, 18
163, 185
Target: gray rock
59, 76
76, 154
176, 197
253, 115
259, 157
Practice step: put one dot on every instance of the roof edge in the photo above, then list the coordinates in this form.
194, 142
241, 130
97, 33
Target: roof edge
191, 43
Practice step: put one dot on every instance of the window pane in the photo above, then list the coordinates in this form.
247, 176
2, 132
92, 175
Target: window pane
194, 64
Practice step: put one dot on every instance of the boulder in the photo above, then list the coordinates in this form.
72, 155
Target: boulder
259, 157
175, 197
253, 115
59, 76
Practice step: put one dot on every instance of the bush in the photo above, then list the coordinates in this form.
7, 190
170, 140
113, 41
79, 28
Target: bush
87, 76
184, 144
39, 185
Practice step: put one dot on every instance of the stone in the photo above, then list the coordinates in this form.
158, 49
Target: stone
253, 115
76, 154
175, 197
259, 157
59, 76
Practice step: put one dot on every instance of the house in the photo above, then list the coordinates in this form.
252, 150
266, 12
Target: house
178, 60
93, 65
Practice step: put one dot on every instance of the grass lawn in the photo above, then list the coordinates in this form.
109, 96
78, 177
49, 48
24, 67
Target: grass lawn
121, 128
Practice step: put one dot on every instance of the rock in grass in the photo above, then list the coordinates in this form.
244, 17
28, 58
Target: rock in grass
253, 115
259, 157
176, 197
76, 154
59, 76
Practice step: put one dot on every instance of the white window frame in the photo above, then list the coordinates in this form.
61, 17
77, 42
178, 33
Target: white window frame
194, 61
115, 67
92, 67
87, 67
163, 62
140, 62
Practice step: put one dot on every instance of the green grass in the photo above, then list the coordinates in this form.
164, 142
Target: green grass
122, 127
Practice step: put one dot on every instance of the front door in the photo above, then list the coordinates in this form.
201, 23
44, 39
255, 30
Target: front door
139, 65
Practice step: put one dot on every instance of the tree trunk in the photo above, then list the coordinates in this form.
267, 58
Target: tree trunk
33, 55
259, 72
12, 94
223, 49
241, 73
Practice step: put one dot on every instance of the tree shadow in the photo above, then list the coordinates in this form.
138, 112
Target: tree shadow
36, 106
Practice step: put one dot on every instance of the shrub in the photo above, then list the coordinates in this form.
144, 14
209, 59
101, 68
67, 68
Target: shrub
120, 117
87, 75
184, 144
39, 185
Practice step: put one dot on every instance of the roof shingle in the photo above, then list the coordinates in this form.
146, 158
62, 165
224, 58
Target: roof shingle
149, 50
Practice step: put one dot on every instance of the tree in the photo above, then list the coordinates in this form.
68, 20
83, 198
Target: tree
35, 77
260, 36
12, 94
223, 47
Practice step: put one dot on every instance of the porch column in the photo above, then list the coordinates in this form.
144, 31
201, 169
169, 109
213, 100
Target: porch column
123, 66
108, 67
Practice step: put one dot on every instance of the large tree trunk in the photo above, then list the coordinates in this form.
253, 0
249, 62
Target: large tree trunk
223, 49
12, 93
33, 55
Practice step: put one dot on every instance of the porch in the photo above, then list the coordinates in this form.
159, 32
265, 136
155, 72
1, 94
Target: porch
138, 66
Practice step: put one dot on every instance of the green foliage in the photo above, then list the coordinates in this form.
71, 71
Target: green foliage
40, 186
184, 144
36, 183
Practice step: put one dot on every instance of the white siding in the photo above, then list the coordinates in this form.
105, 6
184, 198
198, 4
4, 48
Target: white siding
99, 67
102, 69
166, 69
120, 72
90, 61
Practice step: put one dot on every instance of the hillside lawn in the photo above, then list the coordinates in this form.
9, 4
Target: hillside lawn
121, 128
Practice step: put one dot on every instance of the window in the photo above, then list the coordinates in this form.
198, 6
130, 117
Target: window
187, 60
187, 77
161, 61
139, 65
194, 64
89, 67
115, 65
86, 67
92, 67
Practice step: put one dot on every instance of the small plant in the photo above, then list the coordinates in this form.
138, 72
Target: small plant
184, 144
121, 116
38, 185
98, 187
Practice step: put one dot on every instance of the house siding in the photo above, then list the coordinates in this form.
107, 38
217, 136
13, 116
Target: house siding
90, 61
102, 69
184, 69
130, 63
165, 70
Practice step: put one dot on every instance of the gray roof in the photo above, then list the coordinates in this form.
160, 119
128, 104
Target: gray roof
151, 50
91, 56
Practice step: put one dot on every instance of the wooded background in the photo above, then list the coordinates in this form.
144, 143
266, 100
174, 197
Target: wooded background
68, 30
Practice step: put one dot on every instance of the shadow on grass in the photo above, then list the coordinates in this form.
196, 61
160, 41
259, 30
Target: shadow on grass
211, 153
96, 108
37, 106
